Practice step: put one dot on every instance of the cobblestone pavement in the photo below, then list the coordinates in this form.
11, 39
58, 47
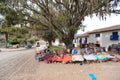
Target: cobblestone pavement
21, 65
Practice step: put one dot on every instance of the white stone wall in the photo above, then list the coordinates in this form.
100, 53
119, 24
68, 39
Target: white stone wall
104, 38
93, 39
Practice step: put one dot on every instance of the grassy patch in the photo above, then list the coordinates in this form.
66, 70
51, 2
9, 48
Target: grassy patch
56, 48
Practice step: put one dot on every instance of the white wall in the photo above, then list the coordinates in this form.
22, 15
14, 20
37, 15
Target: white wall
93, 39
104, 38
56, 43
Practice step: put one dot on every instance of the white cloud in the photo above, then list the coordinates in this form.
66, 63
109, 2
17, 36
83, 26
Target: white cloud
96, 23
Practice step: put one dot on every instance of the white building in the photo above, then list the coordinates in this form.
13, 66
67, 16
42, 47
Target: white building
56, 43
104, 36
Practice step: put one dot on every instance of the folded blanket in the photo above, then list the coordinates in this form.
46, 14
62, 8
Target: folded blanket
77, 57
90, 57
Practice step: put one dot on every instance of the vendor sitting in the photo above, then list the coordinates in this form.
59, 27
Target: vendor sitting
74, 51
39, 56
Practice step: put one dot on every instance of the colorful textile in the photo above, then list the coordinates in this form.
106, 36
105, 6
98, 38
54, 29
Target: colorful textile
90, 57
77, 57
116, 58
66, 58
57, 59
102, 57
99, 56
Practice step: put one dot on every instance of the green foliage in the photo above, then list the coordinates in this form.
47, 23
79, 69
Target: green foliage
11, 18
55, 48
14, 41
5, 30
36, 39
19, 33
61, 19
2, 8
32, 41
2, 40
2, 1
49, 36
19, 36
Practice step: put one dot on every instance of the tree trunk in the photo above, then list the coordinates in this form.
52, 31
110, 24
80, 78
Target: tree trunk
68, 39
69, 45
6, 40
68, 42
50, 43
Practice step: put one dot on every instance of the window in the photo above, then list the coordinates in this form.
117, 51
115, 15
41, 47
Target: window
115, 33
85, 41
114, 36
97, 35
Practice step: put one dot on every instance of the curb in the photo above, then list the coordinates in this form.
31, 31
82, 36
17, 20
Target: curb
11, 50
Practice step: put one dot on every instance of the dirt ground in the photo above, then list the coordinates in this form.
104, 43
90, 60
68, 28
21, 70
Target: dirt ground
42, 71
23, 66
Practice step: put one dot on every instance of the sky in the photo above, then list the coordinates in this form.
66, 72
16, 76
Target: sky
96, 23
1, 16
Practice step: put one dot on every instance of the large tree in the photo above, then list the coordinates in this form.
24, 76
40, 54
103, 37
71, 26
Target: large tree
11, 18
63, 17
49, 36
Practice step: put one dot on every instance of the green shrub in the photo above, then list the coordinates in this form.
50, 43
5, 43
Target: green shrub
56, 48
32, 41
2, 40
14, 41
